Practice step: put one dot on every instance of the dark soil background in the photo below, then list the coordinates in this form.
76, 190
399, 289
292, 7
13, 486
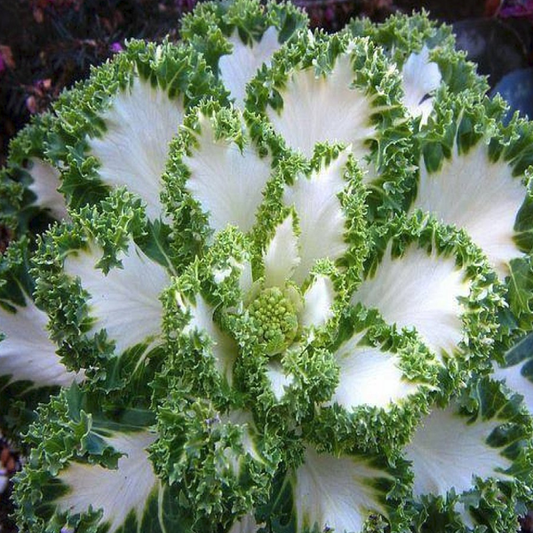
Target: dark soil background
47, 45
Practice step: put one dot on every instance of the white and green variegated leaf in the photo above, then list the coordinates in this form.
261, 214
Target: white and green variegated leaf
99, 475
465, 454
244, 421
336, 90
404, 37
279, 380
200, 322
108, 279
240, 38
338, 493
26, 351
430, 285
420, 290
238, 67
29, 184
490, 162
281, 257
227, 180
318, 108
384, 384
487, 208
369, 376
124, 301
353, 81
318, 302
116, 492
31, 367
123, 119
322, 220
447, 451
133, 149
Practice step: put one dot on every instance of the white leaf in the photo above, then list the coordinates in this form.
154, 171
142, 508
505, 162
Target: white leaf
368, 376
27, 352
125, 302
421, 291
226, 182
447, 450
45, 184
133, 150
117, 492
420, 78
242, 64
278, 379
335, 492
318, 303
281, 255
489, 200
319, 109
321, 219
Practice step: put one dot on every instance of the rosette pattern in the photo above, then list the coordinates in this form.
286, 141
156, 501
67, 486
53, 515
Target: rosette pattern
288, 289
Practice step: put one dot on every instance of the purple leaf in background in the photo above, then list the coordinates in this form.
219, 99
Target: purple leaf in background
116, 47
517, 8
6, 58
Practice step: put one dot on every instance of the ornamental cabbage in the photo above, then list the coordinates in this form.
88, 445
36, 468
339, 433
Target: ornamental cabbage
272, 280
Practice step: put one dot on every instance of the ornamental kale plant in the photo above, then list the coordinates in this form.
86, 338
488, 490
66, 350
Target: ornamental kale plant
269, 280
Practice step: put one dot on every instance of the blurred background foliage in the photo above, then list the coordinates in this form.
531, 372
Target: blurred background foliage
47, 45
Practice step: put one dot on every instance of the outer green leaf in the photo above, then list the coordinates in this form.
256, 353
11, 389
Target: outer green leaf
459, 454
98, 476
421, 274
343, 493
238, 38
352, 96
30, 367
29, 183
404, 35
132, 105
385, 384
86, 272
516, 372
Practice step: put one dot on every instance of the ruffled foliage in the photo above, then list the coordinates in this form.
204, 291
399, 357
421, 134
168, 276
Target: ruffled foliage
272, 281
